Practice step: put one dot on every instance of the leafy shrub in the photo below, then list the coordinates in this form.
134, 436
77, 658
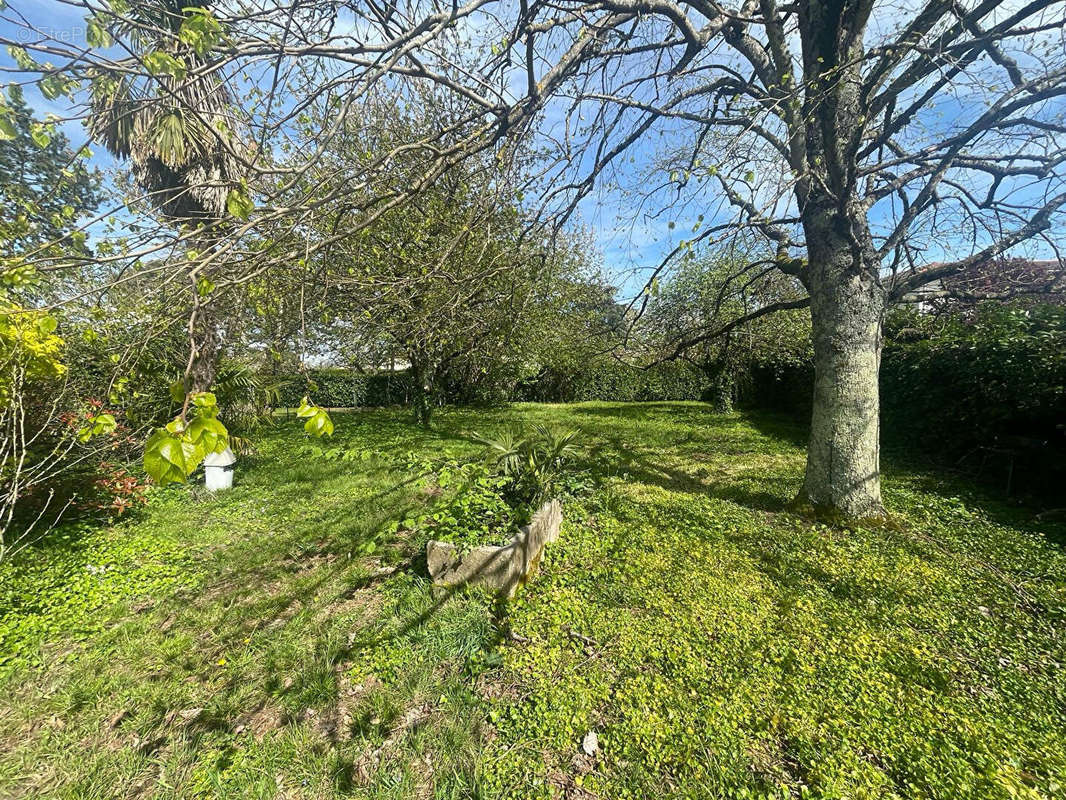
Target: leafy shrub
970, 380
986, 388
115, 491
245, 398
483, 502
472, 509
54, 439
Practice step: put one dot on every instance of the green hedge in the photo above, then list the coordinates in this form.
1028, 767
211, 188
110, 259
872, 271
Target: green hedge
998, 375
345, 388
617, 382
984, 391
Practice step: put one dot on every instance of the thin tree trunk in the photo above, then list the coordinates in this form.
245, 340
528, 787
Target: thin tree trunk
423, 386
207, 342
205, 336
843, 458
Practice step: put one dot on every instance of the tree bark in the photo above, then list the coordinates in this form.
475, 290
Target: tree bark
207, 343
722, 387
423, 384
847, 311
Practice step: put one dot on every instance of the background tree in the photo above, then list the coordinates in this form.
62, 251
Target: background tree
456, 283
717, 289
459, 286
177, 131
45, 187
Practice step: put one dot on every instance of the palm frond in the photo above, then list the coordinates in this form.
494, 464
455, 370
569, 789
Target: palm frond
178, 131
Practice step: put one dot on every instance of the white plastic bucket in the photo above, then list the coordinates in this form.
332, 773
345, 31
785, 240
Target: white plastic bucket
218, 470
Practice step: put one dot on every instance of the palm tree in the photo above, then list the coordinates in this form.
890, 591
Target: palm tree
176, 129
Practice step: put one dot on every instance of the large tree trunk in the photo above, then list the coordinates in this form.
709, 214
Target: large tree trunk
847, 310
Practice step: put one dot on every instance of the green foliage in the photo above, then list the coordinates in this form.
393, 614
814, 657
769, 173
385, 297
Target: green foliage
972, 379
62, 589
471, 510
952, 383
97, 425
339, 454
612, 381
483, 502
30, 351
159, 62
200, 30
173, 452
317, 421
239, 204
96, 32
46, 188
343, 388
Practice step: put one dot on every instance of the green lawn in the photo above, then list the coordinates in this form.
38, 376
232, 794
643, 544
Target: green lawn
249, 645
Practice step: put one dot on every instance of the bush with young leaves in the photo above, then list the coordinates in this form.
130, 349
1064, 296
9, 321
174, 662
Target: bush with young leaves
471, 510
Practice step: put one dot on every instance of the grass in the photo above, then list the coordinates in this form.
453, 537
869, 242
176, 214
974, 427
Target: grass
271, 641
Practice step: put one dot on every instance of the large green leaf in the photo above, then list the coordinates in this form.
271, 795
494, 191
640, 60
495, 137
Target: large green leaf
171, 458
209, 434
239, 204
318, 422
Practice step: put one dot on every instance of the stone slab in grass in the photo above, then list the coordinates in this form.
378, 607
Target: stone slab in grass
502, 568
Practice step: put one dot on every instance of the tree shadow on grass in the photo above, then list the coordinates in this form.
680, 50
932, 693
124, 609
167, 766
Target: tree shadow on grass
903, 464
679, 413
779, 425
615, 457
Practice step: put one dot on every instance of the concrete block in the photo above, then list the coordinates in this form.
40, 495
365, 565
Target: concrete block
503, 568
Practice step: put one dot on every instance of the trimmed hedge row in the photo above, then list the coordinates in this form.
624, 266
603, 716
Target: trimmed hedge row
986, 393
617, 382
345, 388
999, 380
970, 383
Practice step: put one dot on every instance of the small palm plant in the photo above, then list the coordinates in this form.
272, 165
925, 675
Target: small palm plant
248, 397
533, 462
